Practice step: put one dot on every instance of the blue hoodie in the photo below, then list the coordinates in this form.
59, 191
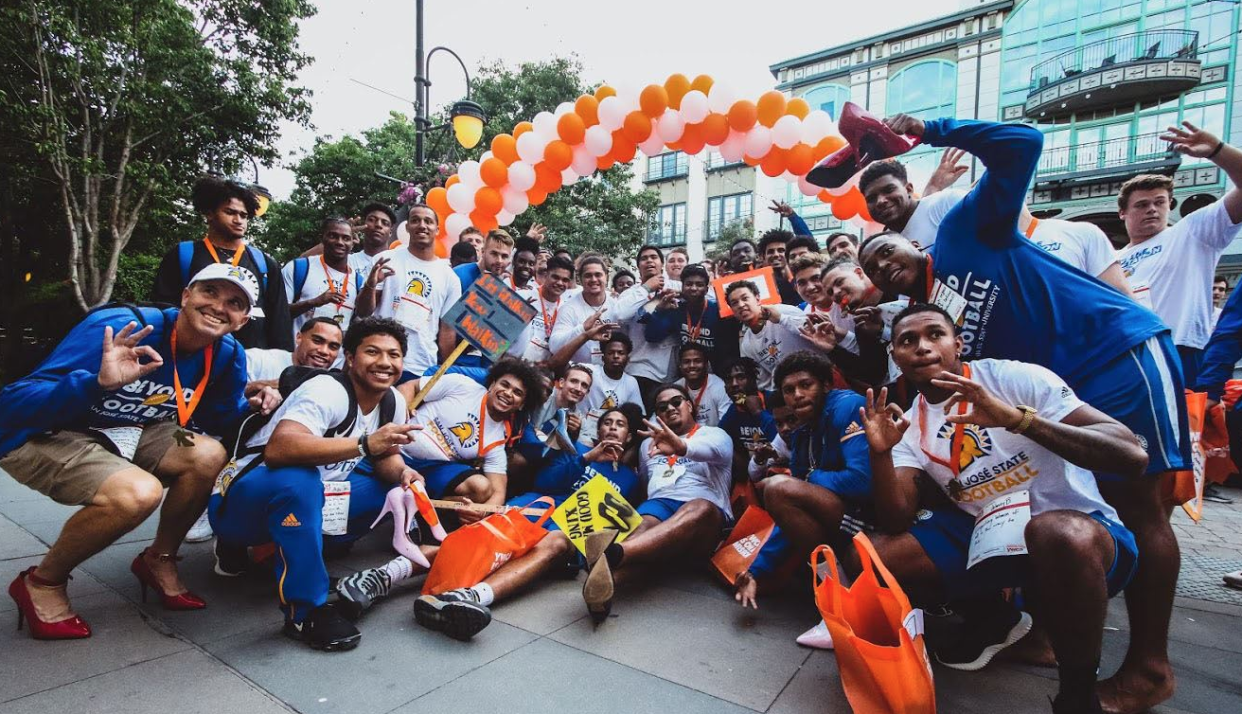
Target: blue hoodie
1022, 302
565, 473
64, 393
1223, 350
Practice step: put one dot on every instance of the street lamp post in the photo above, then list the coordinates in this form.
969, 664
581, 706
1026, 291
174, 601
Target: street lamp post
467, 117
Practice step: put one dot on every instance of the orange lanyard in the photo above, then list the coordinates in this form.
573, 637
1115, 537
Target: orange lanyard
184, 411
216, 256
698, 398
483, 449
694, 329
959, 433
1030, 230
673, 459
344, 291
931, 277
548, 323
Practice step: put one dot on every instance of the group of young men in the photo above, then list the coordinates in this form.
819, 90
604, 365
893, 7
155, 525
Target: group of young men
993, 397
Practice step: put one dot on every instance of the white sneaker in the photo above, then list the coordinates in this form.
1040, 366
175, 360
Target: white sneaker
200, 532
817, 637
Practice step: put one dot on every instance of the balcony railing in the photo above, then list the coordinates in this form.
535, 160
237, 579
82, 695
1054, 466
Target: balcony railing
1125, 154
1136, 47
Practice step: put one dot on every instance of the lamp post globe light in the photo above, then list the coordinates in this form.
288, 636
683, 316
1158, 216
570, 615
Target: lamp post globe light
466, 117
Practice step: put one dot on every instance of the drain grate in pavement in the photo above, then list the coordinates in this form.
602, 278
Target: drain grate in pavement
1201, 579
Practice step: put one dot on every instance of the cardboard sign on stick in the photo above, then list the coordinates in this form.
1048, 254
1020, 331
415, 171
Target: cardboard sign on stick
762, 278
592, 508
490, 316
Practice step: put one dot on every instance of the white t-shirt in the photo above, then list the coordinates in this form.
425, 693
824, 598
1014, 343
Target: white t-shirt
1078, 243
1174, 269
995, 461
841, 321
417, 295
649, 360
931, 210
607, 392
362, 262
712, 400
262, 365
775, 341
704, 472
574, 311
540, 329
320, 404
449, 416
317, 281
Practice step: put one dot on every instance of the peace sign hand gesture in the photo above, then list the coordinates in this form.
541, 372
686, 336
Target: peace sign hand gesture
122, 358
986, 410
884, 423
663, 439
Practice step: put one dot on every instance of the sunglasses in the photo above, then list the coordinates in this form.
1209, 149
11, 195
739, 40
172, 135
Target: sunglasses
674, 403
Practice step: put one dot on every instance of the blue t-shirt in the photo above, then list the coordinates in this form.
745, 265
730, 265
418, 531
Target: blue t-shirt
1021, 302
64, 393
467, 273
748, 431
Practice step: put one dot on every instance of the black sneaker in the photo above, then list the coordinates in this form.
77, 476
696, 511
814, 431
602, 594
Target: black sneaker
983, 636
1211, 492
362, 590
324, 629
231, 560
453, 613
1061, 705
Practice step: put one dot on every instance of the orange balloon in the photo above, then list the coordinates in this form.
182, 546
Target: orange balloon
653, 100
773, 163
483, 221
841, 209
676, 85
571, 128
750, 160
622, 148
452, 181
827, 145
703, 83
637, 127
742, 115
825, 197
715, 129
504, 147
587, 107
437, 198
442, 246
494, 172
692, 139
547, 179
799, 159
771, 106
521, 128
798, 107
558, 155
863, 213
606, 162
603, 91
488, 200
536, 196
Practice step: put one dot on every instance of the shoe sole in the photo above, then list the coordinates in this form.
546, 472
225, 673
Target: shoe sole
1016, 633
349, 607
342, 645
598, 589
225, 573
459, 620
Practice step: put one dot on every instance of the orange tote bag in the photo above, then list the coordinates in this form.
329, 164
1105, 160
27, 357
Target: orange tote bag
742, 546
473, 552
877, 636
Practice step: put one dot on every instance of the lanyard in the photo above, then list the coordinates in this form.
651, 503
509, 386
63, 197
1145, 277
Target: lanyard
327, 275
931, 278
673, 459
698, 398
694, 329
184, 411
483, 449
1030, 229
548, 323
216, 256
959, 433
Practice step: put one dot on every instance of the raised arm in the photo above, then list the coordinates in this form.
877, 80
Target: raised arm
894, 488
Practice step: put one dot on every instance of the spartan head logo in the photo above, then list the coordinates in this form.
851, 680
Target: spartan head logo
419, 285
975, 443
464, 431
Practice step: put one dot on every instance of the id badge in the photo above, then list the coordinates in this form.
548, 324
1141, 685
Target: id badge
124, 438
1142, 295
1001, 528
948, 299
335, 507
412, 314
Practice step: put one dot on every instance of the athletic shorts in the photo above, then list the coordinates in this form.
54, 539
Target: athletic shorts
1143, 389
944, 535
442, 477
664, 508
70, 466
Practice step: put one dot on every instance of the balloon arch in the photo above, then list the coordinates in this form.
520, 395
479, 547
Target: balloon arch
782, 136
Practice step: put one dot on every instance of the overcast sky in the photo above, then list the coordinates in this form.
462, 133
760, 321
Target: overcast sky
636, 42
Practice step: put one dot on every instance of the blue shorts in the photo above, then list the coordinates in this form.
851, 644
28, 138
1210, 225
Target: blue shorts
852, 487
1143, 389
664, 508
944, 535
442, 477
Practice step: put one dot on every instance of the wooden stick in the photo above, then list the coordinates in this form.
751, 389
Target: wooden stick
482, 507
424, 388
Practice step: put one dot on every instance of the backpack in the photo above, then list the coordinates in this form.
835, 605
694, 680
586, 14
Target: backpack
301, 267
185, 253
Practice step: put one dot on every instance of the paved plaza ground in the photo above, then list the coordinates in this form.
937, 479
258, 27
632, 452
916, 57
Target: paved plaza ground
682, 646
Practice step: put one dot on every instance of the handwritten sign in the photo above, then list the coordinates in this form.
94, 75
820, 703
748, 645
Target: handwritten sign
763, 279
592, 508
1001, 528
490, 315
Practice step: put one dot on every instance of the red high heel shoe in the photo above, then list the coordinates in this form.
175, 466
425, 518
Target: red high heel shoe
184, 601
869, 139
75, 628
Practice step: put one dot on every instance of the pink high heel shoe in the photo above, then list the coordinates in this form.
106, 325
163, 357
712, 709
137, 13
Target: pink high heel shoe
400, 503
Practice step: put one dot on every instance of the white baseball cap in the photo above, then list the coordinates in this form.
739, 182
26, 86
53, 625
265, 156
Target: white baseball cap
239, 276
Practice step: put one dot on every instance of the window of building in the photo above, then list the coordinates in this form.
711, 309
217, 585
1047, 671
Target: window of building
926, 90
668, 225
716, 161
723, 210
829, 97
667, 165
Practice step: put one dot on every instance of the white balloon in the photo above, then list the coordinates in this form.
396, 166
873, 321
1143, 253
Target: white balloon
568, 177
514, 199
653, 146
734, 146
545, 121
694, 107
469, 173
562, 109
461, 198
611, 113
815, 127
758, 141
504, 218
455, 224
786, 131
521, 175
598, 140
807, 188
530, 147
720, 98
584, 162
788, 177
486, 155
670, 126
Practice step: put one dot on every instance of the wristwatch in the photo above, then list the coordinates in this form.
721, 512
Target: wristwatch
1028, 416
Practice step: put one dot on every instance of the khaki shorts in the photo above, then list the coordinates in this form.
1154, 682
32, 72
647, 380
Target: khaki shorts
70, 466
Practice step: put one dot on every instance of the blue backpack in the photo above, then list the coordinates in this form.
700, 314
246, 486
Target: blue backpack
301, 266
185, 253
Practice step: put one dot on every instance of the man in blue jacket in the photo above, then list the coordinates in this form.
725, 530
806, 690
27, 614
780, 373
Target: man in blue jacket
1222, 352
104, 423
1012, 300
692, 317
